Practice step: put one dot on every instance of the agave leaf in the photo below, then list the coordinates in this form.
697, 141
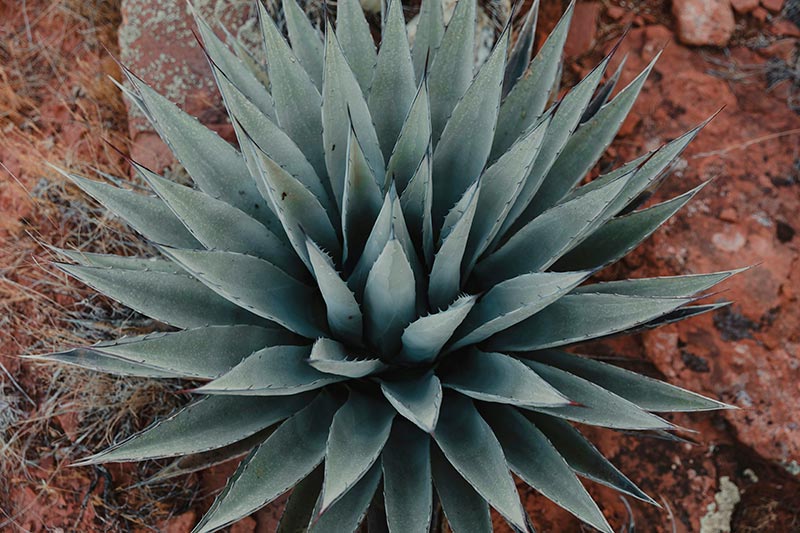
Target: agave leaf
580, 317
587, 144
416, 202
393, 86
466, 511
145, 214
118, 261
100, 362
566, 117
246, 56
254, 130
188, 464
298, 209
604, 92
258, 286
218, 225
299, 507
216, 167
343, 104
522, 52
389, 298
683, 313
661, 287
344, 314
534, 459
348, 513
452, 66
424, 338
552, 233
501, 184
306, 42
273, 371
428, 37
583, 457
595, 405
297, 99
445, 277
417, 399
650, 170
191, 304
361, 202
390, 221
511, 302
620, 235
332, 357
204, 352
266, 474
529, 96
204, 425
470, 446
359, 431
494, 377
647, 393
463, 149
233, 68
407, 488
413, 141
356, 41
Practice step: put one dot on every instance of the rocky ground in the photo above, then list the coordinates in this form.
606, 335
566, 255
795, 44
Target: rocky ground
740, 471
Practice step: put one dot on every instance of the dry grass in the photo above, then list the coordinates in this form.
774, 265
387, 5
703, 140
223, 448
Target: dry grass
57, 105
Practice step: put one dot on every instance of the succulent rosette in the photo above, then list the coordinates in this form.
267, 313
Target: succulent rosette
375, 288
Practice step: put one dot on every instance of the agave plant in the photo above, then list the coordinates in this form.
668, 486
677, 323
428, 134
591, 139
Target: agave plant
376, 288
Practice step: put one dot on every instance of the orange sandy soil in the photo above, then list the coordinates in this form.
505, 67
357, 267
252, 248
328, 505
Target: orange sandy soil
56, 104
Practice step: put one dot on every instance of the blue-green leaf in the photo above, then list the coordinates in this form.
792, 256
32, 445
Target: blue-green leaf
274, 371
594, 405
467, 441
306, 42
258, 286
358, 433
407, 488
191, 304
266, 474
583, 457
511, 302
647, 393
356, 41
463, 148
207, 424
361, 202
333, 357
534, 459
417, 399
580, 317
428, 36
393, 85
424, 338
452, 66
494, 377
297, 99
344, 314
389, 298
466, 511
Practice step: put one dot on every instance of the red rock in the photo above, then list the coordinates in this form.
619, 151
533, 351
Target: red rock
583, 31
760, 14
744, 6
616, 12
728, 215
156, 43
704, 22
245, 525
183, 523
773, 5
784, 28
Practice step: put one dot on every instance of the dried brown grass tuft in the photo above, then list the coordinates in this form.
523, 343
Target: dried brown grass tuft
57, 105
